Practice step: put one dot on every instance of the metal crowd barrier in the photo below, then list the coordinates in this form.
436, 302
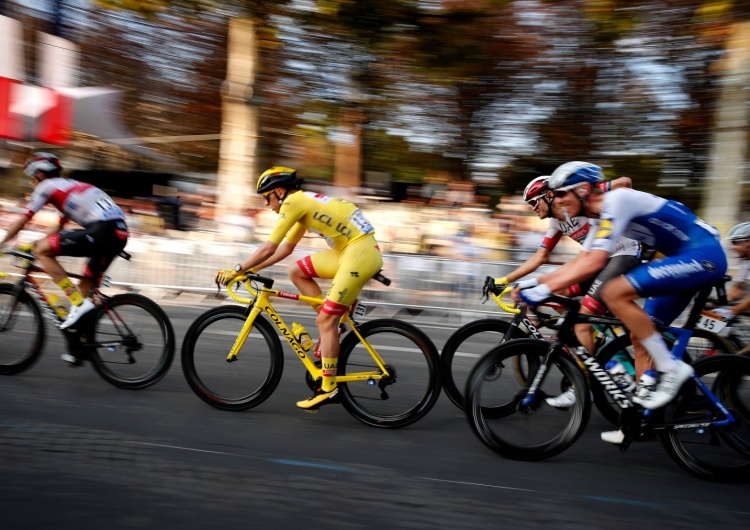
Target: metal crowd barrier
417, 280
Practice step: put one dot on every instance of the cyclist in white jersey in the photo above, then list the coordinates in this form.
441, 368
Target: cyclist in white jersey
103, 235
694, 258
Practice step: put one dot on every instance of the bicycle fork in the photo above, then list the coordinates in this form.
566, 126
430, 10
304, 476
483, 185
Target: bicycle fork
7, 312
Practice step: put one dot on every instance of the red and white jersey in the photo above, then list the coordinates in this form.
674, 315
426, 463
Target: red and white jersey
577, 228
82, 203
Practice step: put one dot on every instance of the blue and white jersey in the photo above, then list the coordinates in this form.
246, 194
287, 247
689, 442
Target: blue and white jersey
666, 226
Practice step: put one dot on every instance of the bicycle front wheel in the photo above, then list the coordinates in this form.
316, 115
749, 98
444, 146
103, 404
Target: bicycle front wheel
133, 341
22, 332
462, 350
413, 364
242, 383
495, 405
717, 453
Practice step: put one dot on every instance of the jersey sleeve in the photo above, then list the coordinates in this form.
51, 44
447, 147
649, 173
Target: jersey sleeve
289, 213
295, 233
552, 237
617, 211
39, 197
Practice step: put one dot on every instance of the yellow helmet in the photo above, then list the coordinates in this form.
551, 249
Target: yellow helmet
277, 177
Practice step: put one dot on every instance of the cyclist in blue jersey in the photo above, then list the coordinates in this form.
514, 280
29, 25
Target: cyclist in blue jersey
694, 258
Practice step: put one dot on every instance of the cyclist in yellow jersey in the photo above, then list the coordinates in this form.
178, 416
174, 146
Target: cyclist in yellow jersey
353, 258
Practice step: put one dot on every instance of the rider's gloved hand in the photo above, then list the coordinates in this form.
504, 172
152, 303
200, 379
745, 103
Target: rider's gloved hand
527, 284
497, 285
224, 275
535, 295
724, 312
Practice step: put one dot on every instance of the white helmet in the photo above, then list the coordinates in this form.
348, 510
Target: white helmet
44, 162
739, 232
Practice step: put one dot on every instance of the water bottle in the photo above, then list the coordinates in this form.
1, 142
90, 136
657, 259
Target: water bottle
647, 383
58, 305
302, 336
620, 375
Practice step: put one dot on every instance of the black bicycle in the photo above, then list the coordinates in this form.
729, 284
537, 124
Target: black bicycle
128, 338
466, 345
705, 429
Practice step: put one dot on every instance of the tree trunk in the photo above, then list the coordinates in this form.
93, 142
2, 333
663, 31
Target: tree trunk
722, 201
239, 129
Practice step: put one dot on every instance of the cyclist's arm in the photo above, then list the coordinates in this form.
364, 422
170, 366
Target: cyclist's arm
16, 227
284, 249
622, 182
539, 258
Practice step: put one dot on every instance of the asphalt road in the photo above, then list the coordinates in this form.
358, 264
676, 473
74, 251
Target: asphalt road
76, 452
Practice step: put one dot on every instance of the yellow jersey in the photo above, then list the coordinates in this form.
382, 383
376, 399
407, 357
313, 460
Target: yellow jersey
338, 221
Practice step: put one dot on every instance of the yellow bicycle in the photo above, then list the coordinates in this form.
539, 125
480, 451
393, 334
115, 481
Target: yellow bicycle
388, 370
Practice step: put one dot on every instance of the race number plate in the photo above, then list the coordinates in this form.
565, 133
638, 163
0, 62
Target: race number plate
711, 322
360, 310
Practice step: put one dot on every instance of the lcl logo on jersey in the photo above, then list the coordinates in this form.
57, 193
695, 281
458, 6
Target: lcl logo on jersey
605, 229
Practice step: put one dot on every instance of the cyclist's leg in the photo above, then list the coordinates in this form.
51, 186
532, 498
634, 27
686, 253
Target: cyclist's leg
673, 276
593, 303
106, 240
319, 265
47, 249
358, 263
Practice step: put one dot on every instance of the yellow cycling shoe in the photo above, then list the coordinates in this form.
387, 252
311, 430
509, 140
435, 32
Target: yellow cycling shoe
319, 399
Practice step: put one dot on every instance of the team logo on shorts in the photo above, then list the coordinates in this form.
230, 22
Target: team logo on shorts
709, 265
605, 229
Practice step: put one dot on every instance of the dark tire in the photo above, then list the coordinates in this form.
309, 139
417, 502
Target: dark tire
716, 453
525, 432
413, 363
243, 383
463, 348
24, 334
703, 343
133, 341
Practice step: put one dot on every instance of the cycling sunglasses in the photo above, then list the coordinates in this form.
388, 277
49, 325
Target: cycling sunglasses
560, 193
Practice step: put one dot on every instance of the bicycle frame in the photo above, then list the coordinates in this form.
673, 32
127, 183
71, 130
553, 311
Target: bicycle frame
29, 283
603, 377
261, 304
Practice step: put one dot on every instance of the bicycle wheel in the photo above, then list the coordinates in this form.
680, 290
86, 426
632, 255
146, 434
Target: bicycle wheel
414, 367
525, 432
703, 343
243, 383
23, 335
713, 453
133, 341
463, 348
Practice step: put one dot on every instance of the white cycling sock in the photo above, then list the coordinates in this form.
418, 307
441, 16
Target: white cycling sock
659, 352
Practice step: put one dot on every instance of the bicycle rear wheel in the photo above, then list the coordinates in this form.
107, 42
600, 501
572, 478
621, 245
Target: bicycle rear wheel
503, 423
133, 342
713, 453
462, 350
22, 333
703, 343
414, 367
243, 383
